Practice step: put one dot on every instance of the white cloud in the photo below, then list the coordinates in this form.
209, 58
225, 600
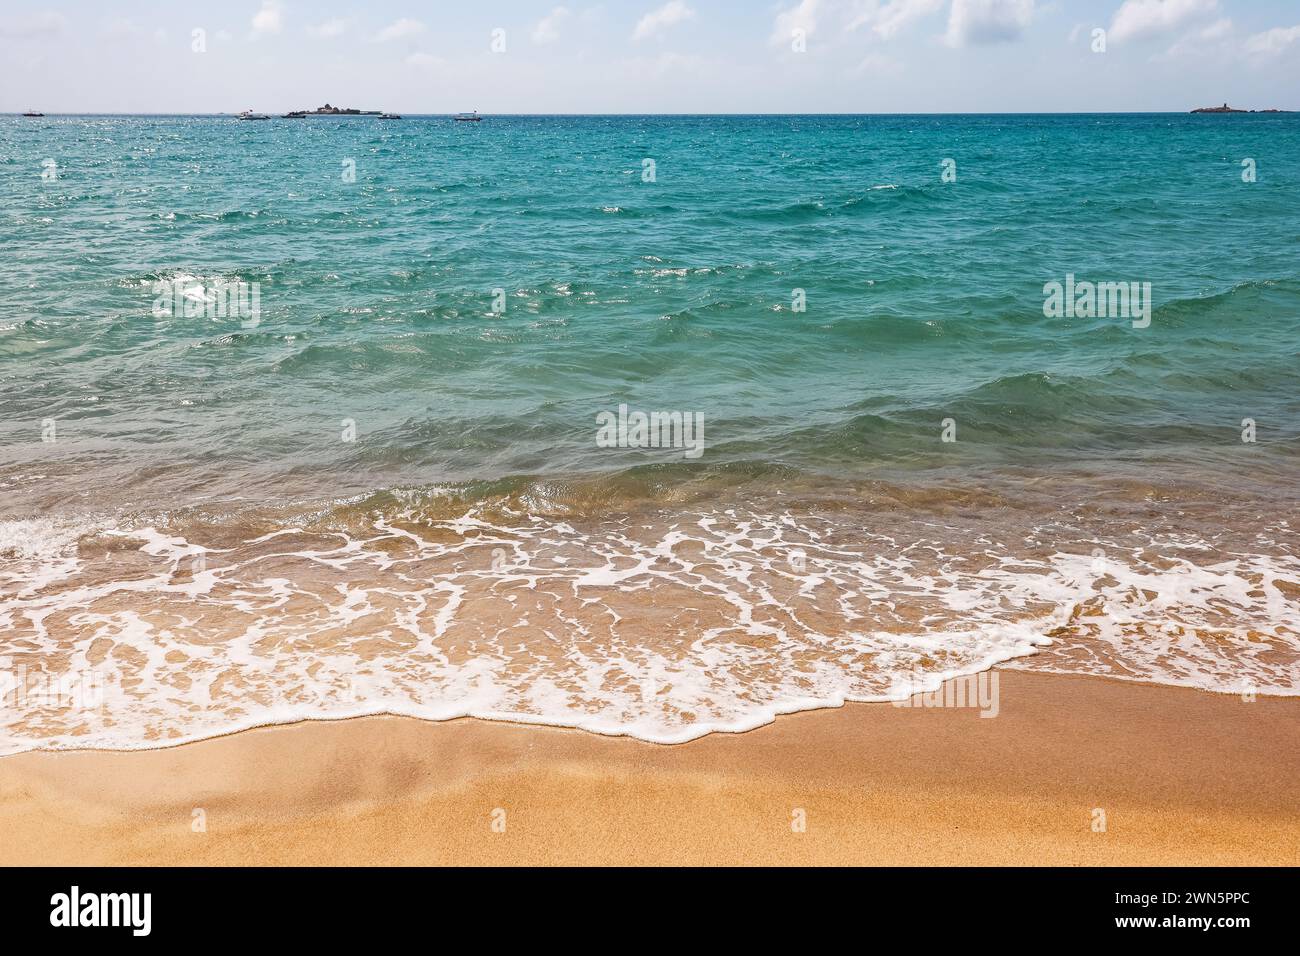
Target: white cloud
889, 18
47, 23
979, 22
1273, 42
330, 28
1195, 43
548, 27
1143, 18
1217, 30
803, 17
656, 21
269, 19
405, 27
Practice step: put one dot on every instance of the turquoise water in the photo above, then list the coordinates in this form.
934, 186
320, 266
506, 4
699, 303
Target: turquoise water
924, 298
381, 401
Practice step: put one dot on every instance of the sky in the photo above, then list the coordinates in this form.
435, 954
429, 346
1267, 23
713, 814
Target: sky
649, 56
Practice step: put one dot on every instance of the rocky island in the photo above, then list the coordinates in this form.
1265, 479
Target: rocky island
1225, 108
328, 110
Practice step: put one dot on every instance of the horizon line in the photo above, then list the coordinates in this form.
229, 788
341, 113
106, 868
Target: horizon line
19, 113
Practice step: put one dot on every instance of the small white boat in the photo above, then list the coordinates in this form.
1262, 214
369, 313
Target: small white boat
468, 117
250, 115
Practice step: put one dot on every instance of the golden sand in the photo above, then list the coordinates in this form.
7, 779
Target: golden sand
1182, 777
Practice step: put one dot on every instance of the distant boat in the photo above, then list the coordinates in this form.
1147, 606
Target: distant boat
468, 117
250, 115
33, 113
389, 116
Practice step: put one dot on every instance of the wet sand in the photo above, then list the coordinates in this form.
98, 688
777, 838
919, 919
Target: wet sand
1182, 777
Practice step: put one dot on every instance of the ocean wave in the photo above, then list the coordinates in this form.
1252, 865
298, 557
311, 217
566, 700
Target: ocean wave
1237, 303
668, 627
225, 216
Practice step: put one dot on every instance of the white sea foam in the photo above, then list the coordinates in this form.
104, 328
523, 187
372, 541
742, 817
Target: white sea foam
664, 629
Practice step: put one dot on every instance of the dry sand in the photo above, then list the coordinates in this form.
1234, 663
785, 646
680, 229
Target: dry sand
1183, 777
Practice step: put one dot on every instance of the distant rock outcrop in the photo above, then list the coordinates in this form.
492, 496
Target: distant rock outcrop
328, 110
1225, 108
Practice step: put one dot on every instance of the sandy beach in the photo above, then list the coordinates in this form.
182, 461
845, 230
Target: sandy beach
1183, 777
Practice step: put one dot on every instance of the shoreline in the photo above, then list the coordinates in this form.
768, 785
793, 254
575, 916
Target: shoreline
813, 600
1184, 777
518, 721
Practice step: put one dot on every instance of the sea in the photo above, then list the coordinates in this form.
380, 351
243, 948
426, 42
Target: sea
646, 425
